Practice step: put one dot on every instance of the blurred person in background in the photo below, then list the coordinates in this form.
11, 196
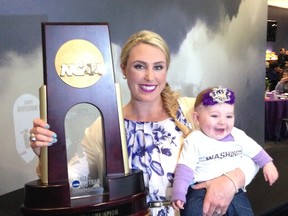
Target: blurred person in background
282, 85
282, 58
273, 74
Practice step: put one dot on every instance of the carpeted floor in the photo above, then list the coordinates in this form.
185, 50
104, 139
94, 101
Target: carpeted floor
271, 200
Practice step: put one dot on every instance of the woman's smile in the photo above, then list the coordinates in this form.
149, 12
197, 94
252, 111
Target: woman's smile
147, 88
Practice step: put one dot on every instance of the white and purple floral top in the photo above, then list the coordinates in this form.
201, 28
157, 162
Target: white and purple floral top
153, 147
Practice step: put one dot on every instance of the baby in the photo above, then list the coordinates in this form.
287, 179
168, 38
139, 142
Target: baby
213, 150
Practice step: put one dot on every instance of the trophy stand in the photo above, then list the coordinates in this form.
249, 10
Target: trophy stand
78, 69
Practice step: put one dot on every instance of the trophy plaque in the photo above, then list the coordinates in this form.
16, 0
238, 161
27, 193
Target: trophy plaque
78, 69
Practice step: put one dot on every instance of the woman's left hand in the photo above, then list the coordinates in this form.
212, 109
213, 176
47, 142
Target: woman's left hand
219, 193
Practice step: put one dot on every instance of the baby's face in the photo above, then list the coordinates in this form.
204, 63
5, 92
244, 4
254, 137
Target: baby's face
216, 121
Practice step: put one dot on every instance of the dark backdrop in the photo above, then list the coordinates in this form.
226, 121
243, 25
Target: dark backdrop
281, 16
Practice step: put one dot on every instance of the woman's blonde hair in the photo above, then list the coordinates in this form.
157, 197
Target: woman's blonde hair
146, 37
169, 97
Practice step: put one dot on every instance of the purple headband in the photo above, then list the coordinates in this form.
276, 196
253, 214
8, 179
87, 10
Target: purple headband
218, 95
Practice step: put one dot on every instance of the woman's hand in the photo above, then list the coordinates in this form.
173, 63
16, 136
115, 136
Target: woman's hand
284, 80
220, 192
40, 135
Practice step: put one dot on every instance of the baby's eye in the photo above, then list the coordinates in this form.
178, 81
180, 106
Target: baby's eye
214, 116
229, 117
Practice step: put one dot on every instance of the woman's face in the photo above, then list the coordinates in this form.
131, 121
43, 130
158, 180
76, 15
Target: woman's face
145, 71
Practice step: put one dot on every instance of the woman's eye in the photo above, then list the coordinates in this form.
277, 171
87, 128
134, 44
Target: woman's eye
158, 67
138, 66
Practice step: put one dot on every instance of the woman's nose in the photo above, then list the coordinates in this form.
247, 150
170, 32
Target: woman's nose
149, 75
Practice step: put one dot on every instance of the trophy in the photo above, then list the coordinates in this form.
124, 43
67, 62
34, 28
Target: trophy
78, 69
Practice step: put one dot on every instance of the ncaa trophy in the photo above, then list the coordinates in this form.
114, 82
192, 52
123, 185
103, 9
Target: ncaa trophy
78, 69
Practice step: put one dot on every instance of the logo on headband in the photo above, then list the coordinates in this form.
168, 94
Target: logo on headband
218, 95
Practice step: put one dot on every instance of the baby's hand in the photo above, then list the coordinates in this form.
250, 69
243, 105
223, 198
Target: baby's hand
178, 204
270, 173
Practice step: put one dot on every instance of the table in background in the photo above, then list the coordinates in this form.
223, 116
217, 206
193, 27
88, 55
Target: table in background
275, 111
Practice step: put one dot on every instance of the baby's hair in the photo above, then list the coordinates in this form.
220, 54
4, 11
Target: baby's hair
199, 97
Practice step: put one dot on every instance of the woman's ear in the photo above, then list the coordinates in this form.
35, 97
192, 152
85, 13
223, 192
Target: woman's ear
123, 71
122, 68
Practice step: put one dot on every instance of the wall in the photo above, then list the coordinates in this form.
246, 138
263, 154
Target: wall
281, 16
211, 44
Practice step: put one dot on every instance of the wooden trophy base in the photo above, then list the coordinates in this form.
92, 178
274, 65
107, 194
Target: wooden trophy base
126, 196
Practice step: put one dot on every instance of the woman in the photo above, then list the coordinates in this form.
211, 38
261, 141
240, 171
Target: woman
156, 120
282, 85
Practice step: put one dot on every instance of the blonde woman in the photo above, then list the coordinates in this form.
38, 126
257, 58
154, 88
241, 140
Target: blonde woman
156, 121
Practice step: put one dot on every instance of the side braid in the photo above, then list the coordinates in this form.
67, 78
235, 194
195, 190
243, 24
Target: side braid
171, 106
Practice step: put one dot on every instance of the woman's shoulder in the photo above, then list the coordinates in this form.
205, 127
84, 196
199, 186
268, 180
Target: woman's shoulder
187, 100
186, 103
187, 106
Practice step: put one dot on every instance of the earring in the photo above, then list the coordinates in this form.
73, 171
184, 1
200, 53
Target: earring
124, 77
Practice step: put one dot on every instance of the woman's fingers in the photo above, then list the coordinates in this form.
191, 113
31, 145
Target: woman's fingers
40, 123
43, 140
41, 136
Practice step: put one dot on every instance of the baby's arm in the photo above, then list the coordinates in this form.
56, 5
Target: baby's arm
270, 173
269, 170
182, 180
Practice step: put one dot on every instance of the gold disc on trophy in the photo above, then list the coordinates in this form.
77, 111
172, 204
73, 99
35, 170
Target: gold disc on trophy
79, 63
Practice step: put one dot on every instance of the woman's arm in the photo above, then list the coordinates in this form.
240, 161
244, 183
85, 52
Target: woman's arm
221, 190
249, 170
279, 87
89, 160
